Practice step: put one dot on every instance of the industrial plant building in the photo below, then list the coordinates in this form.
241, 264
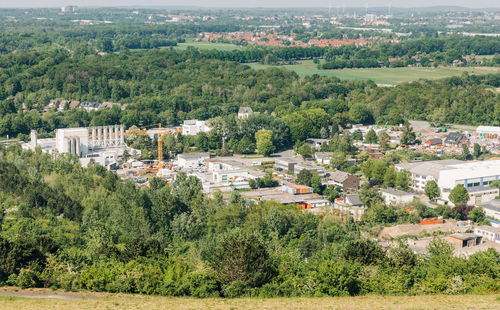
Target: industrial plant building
102, 144
475, 176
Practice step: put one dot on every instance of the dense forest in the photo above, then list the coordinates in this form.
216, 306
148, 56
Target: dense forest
73, 228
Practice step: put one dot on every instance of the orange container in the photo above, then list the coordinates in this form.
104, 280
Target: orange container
431, 221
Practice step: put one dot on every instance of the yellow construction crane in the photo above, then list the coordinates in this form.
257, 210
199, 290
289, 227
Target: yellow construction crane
143, 131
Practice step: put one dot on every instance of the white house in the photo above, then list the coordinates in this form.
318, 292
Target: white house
317, 143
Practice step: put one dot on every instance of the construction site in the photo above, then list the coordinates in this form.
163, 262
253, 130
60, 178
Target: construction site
104, 145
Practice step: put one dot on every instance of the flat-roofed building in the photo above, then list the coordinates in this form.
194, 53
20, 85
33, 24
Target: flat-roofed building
465, 240
191, 160
476, 176
395, 196
488, 232
491, 208
323, 158
193, 127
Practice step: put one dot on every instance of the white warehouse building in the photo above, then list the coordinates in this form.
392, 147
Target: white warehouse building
193, 127
488, 129
475, 176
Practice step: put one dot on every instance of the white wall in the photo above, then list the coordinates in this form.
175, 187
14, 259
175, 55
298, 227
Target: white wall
62, 136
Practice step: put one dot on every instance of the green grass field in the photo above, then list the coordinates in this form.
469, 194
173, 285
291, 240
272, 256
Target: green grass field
386, 76
208, 46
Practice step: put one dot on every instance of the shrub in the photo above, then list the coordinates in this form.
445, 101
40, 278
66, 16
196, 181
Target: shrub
27, 278
235, 289
202, 284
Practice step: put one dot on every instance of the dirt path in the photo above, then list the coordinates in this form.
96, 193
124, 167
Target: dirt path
46, 293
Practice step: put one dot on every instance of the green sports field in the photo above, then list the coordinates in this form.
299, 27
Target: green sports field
386, 76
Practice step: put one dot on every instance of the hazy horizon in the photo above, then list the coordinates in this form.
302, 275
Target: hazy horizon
253, 4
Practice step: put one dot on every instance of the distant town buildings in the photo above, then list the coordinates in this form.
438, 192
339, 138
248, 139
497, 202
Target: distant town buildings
69, 8
272, 39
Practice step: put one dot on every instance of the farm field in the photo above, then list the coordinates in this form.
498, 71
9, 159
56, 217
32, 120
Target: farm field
384, 76
48, 299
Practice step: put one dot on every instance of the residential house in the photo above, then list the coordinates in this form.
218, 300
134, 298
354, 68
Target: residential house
455, 138
317, 143
353, 200
74, 104
350, 204
345, 180
90, 106
108, 104
244, 112
434, 142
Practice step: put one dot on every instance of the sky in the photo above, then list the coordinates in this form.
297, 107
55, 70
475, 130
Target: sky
254, 3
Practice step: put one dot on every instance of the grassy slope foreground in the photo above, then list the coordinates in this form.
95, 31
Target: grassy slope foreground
47, 299
384, 75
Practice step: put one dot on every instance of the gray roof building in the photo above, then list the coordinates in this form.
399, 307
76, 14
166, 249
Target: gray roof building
428, 168
353, 200
455, 138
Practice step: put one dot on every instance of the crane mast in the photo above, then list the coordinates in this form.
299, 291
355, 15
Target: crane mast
160, 147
